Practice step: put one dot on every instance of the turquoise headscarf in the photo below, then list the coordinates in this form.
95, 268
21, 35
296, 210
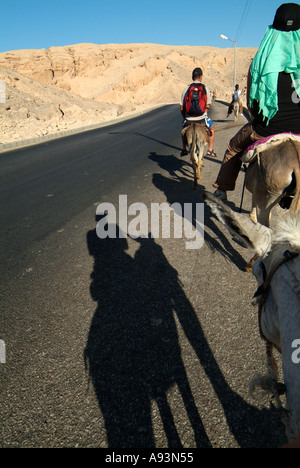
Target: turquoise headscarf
279, 51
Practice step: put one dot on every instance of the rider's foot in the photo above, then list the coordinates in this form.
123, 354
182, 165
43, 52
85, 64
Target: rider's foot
211, 153
220, 195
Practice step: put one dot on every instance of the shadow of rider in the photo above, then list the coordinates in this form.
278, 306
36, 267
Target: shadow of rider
133, 352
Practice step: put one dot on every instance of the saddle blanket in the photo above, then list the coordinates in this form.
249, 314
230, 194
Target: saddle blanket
250, 154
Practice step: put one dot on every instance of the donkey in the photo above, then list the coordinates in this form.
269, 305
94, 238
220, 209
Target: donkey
197, 136
272, 174
278, 275
236, 109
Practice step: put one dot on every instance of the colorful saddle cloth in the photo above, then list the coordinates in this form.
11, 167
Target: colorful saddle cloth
250, 153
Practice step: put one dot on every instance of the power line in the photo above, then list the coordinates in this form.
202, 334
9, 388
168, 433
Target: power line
243, 19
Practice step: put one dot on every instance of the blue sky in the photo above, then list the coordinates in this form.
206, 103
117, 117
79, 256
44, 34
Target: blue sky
36, 24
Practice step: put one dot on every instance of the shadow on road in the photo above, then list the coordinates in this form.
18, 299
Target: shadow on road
146, 136
177, 186
133, 353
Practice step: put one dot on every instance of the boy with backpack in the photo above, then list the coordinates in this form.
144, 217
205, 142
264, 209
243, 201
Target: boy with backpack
195, 102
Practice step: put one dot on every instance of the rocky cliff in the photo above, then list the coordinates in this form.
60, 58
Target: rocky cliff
63, 88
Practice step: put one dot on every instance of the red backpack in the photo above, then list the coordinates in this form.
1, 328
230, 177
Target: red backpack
195, 100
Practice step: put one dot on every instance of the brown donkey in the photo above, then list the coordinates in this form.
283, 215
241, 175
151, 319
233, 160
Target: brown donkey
274, 174
197, 137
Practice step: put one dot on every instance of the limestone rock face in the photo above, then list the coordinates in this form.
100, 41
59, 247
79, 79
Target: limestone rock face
49, 91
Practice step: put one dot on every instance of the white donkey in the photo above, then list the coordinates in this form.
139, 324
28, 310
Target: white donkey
278, 275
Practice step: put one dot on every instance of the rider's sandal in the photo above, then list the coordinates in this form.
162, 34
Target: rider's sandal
211, 153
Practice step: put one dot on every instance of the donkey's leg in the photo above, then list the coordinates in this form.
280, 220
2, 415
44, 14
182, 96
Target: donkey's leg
200, 158
253, 212
195, 169
254, 217
194, 161
264, 207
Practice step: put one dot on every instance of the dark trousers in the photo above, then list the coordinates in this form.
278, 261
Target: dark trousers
232, 163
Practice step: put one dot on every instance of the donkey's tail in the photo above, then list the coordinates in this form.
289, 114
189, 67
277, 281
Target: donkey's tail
194, 141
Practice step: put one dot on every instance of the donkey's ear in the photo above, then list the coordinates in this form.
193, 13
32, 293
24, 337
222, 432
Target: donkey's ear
251, 235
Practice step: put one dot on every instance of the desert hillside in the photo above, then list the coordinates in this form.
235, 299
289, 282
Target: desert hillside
64, 88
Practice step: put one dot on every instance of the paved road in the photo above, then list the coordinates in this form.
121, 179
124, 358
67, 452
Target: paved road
124, 342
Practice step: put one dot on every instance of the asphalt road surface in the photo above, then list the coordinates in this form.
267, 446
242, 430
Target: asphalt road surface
124, 342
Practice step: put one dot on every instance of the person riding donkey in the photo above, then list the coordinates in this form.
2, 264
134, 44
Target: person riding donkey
236, 97
274, 72
195, 103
